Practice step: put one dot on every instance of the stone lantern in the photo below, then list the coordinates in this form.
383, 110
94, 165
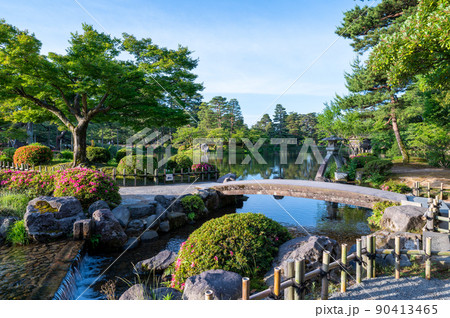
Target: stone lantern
332, 152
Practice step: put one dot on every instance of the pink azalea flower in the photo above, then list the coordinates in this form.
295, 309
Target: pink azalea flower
216, 258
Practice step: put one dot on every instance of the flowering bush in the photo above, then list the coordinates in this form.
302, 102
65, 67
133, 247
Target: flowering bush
86, 185
34, 154
205, 166
395, 187
6, 155
30, 182
245, 243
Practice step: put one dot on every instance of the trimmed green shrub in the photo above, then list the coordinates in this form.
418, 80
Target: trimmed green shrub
138, 162
179, 161
66, 154
362, 159
86, 185
194, 205
34, 154
331, 169
378, 211
17, 234
97, 154
380, 166
9, 152
13, 203
122, 153
245, 243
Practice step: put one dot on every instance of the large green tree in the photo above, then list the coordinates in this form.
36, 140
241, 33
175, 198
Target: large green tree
92, 82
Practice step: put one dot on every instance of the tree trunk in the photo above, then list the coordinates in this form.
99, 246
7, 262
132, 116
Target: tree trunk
79, 144
400, 144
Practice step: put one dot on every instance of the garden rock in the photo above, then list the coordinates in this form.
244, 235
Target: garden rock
5, 224
165, 200
149, 236
97, 205
166, 293
225, 285
152, 222
404, 218
141, 210
210, 197
176, 220
111, 233
386, 240
131, 243
309, 247
137, 292
83, 229
226, 178
135, 227
49, 217
161, 212
164, 226
157, 263
122, 214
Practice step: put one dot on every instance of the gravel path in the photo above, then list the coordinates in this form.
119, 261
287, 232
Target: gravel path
389, 288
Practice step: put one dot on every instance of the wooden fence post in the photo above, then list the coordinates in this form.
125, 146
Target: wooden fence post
124, 178
145, 177
209, 295
343, 269
358, 262
369, 257
325, 263
428, 261
428, 190
181, 174
300, 279
155, 176
374, 250
245, 288
289, 292
441, 192
276, 281
397, 257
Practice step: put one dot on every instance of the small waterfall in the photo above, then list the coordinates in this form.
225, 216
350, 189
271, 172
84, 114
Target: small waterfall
84, 271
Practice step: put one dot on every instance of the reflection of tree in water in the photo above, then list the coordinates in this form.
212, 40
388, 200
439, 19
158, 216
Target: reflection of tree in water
273, 169
342, 220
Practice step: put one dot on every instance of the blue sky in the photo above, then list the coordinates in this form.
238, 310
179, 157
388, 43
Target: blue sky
249, 50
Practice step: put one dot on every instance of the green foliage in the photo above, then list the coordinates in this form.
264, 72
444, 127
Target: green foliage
378, 211
97, 154
17, 234
138, 162
13, 203
34, 154
331, 169
194, 205
379, 166
394, 186
8, 153
86, 185
32, 183
179, 161
66, 154
122, 153
244, 243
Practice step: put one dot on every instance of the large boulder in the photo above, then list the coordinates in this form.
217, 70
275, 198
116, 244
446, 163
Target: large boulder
404, 218
176, 219
164, 227
226, 178
50, 218
386, 240
5, 224
309, 248
137, 292
142, 209
165, 200
157, 263
135, 227
108, 228
122, 214
210, 197
97, 205
225, 285
152, 222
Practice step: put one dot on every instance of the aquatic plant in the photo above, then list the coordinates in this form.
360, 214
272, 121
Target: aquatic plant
17, 234
245, 243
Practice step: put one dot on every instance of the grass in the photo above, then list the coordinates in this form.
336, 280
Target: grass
13, 203
416, 269
17, 234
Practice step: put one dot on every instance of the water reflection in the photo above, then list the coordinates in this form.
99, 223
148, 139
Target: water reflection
341, 222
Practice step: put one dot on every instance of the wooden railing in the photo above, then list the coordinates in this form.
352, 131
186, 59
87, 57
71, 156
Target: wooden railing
159, 176
295, 286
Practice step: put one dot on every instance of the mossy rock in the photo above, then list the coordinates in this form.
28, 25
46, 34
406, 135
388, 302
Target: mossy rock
44, 207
